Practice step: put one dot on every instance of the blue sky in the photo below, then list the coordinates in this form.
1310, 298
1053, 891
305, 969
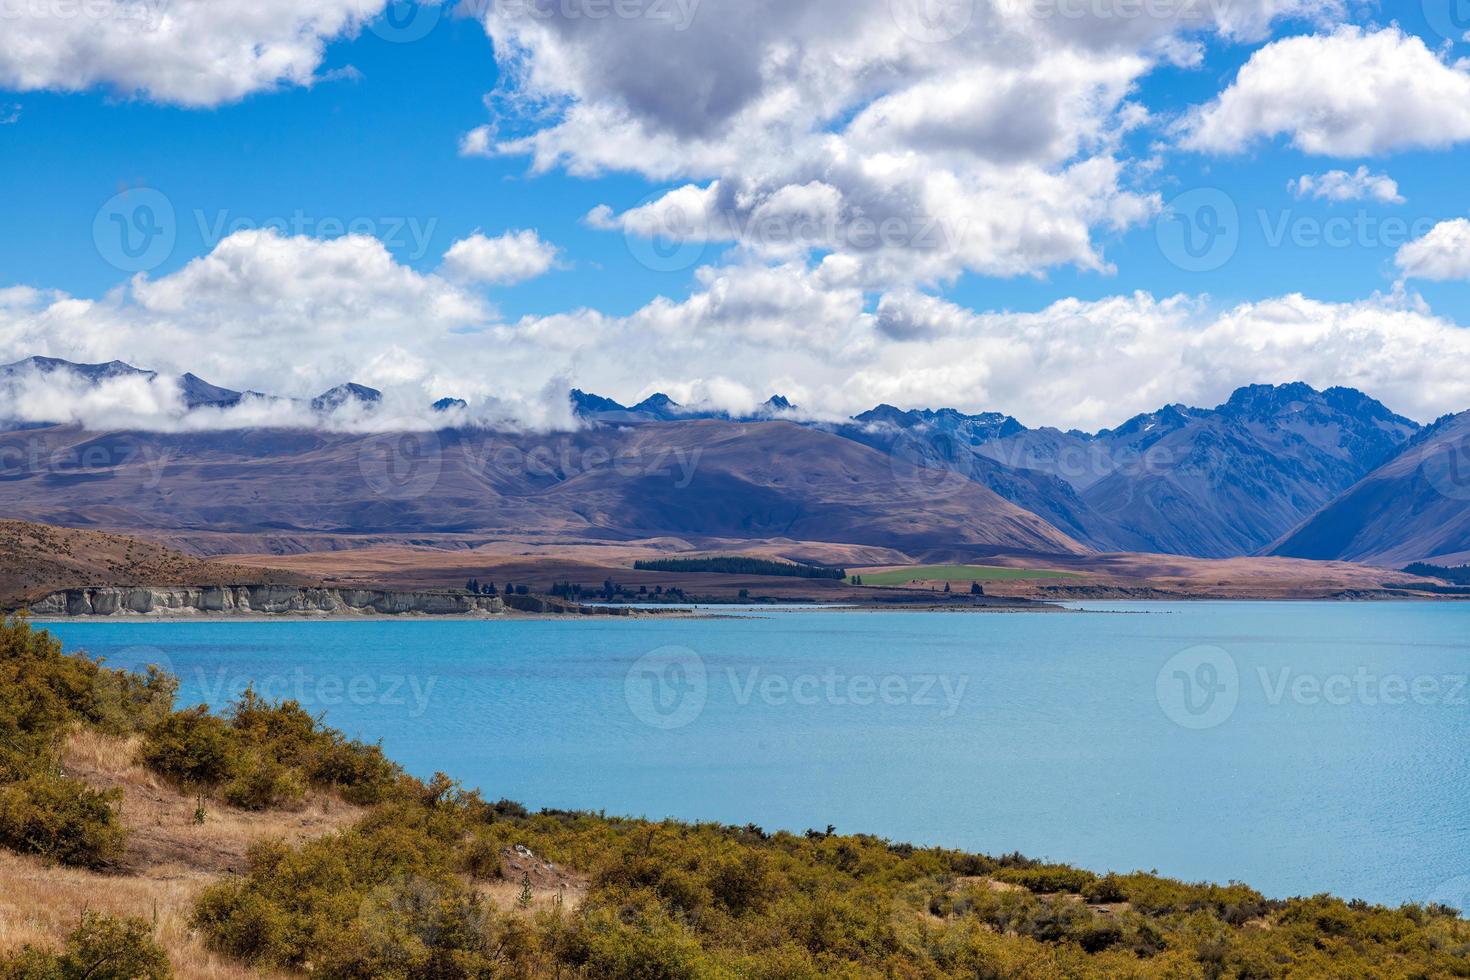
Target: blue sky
370, 136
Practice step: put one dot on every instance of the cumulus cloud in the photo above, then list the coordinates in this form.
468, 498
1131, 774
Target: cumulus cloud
185, 52
513, 257
345, 310
1442, 254
1347, 93
1339, 186
988, 140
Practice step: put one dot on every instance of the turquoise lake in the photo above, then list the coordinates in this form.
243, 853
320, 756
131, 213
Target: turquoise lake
1298, 747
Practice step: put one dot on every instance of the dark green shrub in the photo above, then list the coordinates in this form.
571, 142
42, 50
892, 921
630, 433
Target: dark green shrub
61, 819
262, 783
361, 773
193, 748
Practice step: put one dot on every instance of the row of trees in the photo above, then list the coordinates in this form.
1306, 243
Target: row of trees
611, 590
474, 587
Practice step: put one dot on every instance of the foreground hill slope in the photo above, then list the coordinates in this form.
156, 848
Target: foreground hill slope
756, 480
1415, 507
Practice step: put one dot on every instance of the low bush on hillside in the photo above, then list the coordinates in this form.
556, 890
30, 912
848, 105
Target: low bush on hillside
61, 819
672, 900
100, 948
44, 693
263, 756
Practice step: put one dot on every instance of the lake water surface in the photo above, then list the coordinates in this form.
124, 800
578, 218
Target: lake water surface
1298, 747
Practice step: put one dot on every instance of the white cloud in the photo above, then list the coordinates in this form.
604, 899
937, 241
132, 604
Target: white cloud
1339, 186
795, 125
513, 257
1442, 254
185, 52
1348, 93
345, 310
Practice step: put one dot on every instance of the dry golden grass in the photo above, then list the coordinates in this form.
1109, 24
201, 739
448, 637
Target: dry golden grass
40, 903
169, 859
163, 836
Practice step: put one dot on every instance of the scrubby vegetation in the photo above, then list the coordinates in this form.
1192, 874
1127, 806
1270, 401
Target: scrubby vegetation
1459, 574
410, 890
739, 565
43, 694
100, 948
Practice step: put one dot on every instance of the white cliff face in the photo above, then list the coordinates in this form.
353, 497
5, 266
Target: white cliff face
261, 599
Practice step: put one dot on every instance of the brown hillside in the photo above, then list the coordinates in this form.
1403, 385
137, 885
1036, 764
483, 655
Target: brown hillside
36, 559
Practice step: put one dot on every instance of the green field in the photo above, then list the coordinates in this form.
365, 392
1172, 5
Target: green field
957, 573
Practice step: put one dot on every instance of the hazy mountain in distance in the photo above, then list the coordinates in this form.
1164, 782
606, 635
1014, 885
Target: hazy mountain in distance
333, 399
947, 440
708, 477
1415, 507
1218, 482
1232, 480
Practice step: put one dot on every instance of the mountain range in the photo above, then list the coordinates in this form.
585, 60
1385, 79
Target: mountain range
1276, 469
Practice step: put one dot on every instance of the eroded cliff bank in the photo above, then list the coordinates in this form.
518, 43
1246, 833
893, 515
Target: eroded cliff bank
261, 600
